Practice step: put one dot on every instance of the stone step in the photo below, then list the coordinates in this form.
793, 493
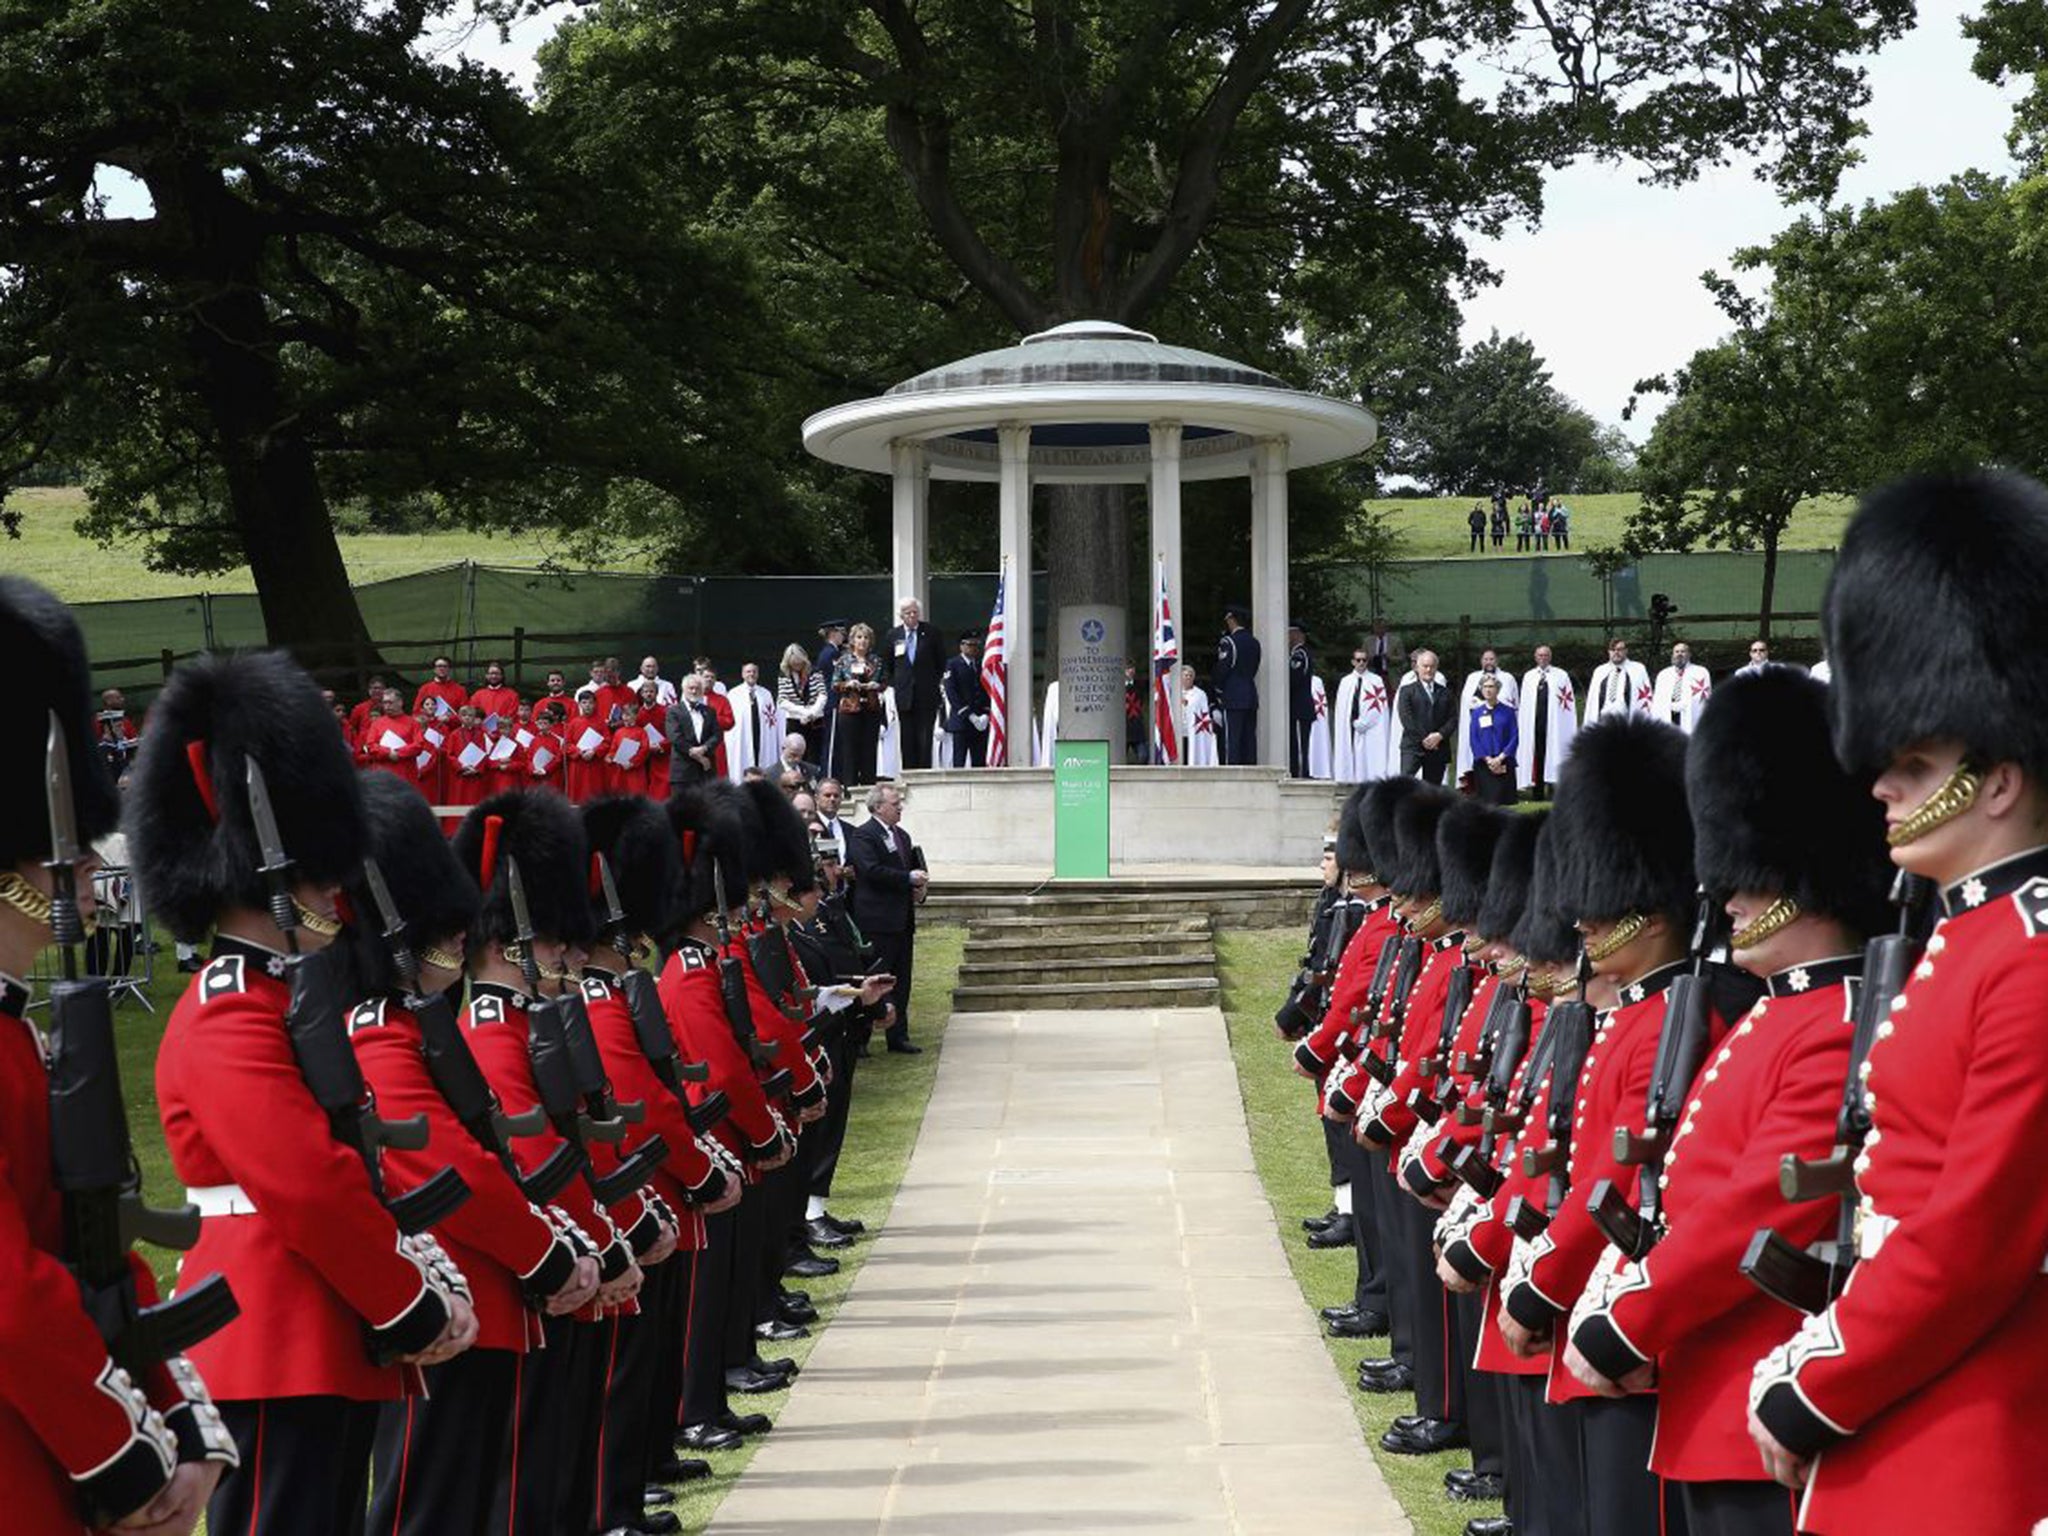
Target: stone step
1249, 908
1000, 928
1084, 970
1164, 992
1032, 941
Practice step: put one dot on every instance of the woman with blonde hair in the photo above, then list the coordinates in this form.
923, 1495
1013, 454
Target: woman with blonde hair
800, 692
857, 726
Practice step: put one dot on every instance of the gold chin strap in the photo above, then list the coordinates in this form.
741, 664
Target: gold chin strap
1514, 965
441, 958
1473, 945
1773, 917
1957, 794
1426, 916
316, 922
31, 903
1623, 934
782, 900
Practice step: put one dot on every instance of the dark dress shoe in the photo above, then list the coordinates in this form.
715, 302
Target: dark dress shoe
819, 1235
750, 1384
790, 1293
658, 1522
1336, 1235
678, 1469
778, 1330
1397, 1378
708, 1437
904, 1048
1331, 1314
1407, 1421
781, 1365
745, 1423
1474, 1487
1425, 1438
1359, 1325
1490, 1525
810, 1266
795, 1311
1317, 1223
845, 1226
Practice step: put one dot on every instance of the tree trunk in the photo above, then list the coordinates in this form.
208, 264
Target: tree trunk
1088, 558
1763, 619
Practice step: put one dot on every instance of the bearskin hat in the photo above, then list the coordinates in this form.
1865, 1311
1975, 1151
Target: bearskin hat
1375, 821
1935, 624
1352, 855
1545, 935
634, 837
1624, 834
1465, 839
709, 821
1510, 875
782, 847
1772, 809
46, 653
1416, 871
190, 839
543, 833
435, 896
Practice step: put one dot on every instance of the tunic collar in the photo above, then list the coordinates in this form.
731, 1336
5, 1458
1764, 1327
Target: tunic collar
1813, 976
13, 997
511, 996
1656, 981
1994, 880
272, 962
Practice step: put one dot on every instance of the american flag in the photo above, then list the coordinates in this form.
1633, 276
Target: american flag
1165, 658
994, 670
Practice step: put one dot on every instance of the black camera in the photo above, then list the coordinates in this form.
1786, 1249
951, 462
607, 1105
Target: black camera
1661, 607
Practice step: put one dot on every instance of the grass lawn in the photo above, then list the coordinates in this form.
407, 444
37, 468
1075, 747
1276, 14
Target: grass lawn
887, 1111
1431, 527
1287, 1147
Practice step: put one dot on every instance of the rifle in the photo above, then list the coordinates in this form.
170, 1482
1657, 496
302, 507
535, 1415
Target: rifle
578, 1119
1296, 1016
1474, 1164
1681, 1047
92, 1161
1407, 967
319, 1040
1810, 1278
1436, 1062
452, 1065
650, 1025
1508, 999
1569, 1030
732, 983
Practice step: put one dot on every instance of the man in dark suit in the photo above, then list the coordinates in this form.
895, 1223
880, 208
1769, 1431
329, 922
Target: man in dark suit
1236, 693
916, 659
966, 703
1428, 712
889, 882
694, 735
1301, 700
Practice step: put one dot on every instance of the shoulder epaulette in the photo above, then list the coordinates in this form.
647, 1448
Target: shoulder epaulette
694, 959
486, 1009
596, 988
368, 1015
2031, 900
223, 977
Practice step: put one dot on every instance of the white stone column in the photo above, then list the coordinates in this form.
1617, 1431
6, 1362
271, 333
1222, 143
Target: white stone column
1014, 531
910, 487
1269, 594
1164, 501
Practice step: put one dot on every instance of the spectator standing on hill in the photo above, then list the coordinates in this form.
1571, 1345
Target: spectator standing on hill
1475, 520
1525, 528
1499, 524
1542, 528
1561, 525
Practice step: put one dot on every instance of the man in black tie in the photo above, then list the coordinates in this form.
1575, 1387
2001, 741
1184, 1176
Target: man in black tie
967, 705
1428, 713
915, 662
889, 883
693, 735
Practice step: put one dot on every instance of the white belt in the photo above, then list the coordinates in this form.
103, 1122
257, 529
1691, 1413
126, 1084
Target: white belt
1872, 1231
221, 1200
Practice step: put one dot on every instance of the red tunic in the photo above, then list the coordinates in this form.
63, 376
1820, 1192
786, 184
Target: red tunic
653, 723
1773, 1087
320, 1256
696, 1012
497, 1237
1420, 1026
585, 772
630, 778
500, 701
1930, 1363
547, 762
372, 751
1318, 1051
450, 693
465, 786
564, 704
429, 766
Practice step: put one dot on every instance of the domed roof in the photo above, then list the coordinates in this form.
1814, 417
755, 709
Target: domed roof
1088, 352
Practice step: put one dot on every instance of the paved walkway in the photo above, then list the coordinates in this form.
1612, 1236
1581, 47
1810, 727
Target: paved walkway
1079, 1317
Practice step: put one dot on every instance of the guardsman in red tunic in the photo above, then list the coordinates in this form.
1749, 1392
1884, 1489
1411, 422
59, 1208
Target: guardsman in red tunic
711, 831
82, 1443
436, 1456
556, 1389
335, 1301
1913, 1402
1795, 848
644, 1381
440, 694
1625, 876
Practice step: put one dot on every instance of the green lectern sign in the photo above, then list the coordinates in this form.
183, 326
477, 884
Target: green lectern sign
1080, 810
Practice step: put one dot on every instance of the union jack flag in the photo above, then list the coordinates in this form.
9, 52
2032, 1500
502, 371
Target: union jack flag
994, 672
1165, 658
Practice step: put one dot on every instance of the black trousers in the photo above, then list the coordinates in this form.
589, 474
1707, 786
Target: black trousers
1370, 1290
1558, 1494
1490, 788
1428, 766
1241, 736
1485, 1415
557, 1410
637, 1426
820, 1142
305, 1464
670, 1349
437, 1458
782, 1208
1623, 1496
704, 1331
893, 952
1738, 1509
1521, 1399
967, 749
1399, 1277
750, 1236
1297, 747
854, 738
1439, 1375
915, 735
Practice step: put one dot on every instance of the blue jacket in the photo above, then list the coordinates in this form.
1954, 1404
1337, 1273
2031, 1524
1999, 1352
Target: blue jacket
1237, 671
1500, 739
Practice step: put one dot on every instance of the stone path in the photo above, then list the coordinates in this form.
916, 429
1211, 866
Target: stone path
1079, 1317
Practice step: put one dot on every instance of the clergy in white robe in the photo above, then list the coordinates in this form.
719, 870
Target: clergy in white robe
889, 745
1682, 690
1047, 729
1319, 731
1617, 686
755, 740
1395, 734
1360, 726
1550, 718
1200, 742
1489, 666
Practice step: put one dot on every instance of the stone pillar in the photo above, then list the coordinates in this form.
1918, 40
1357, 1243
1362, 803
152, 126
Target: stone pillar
1269, 594
1014, 531
910, 486
1164, 501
